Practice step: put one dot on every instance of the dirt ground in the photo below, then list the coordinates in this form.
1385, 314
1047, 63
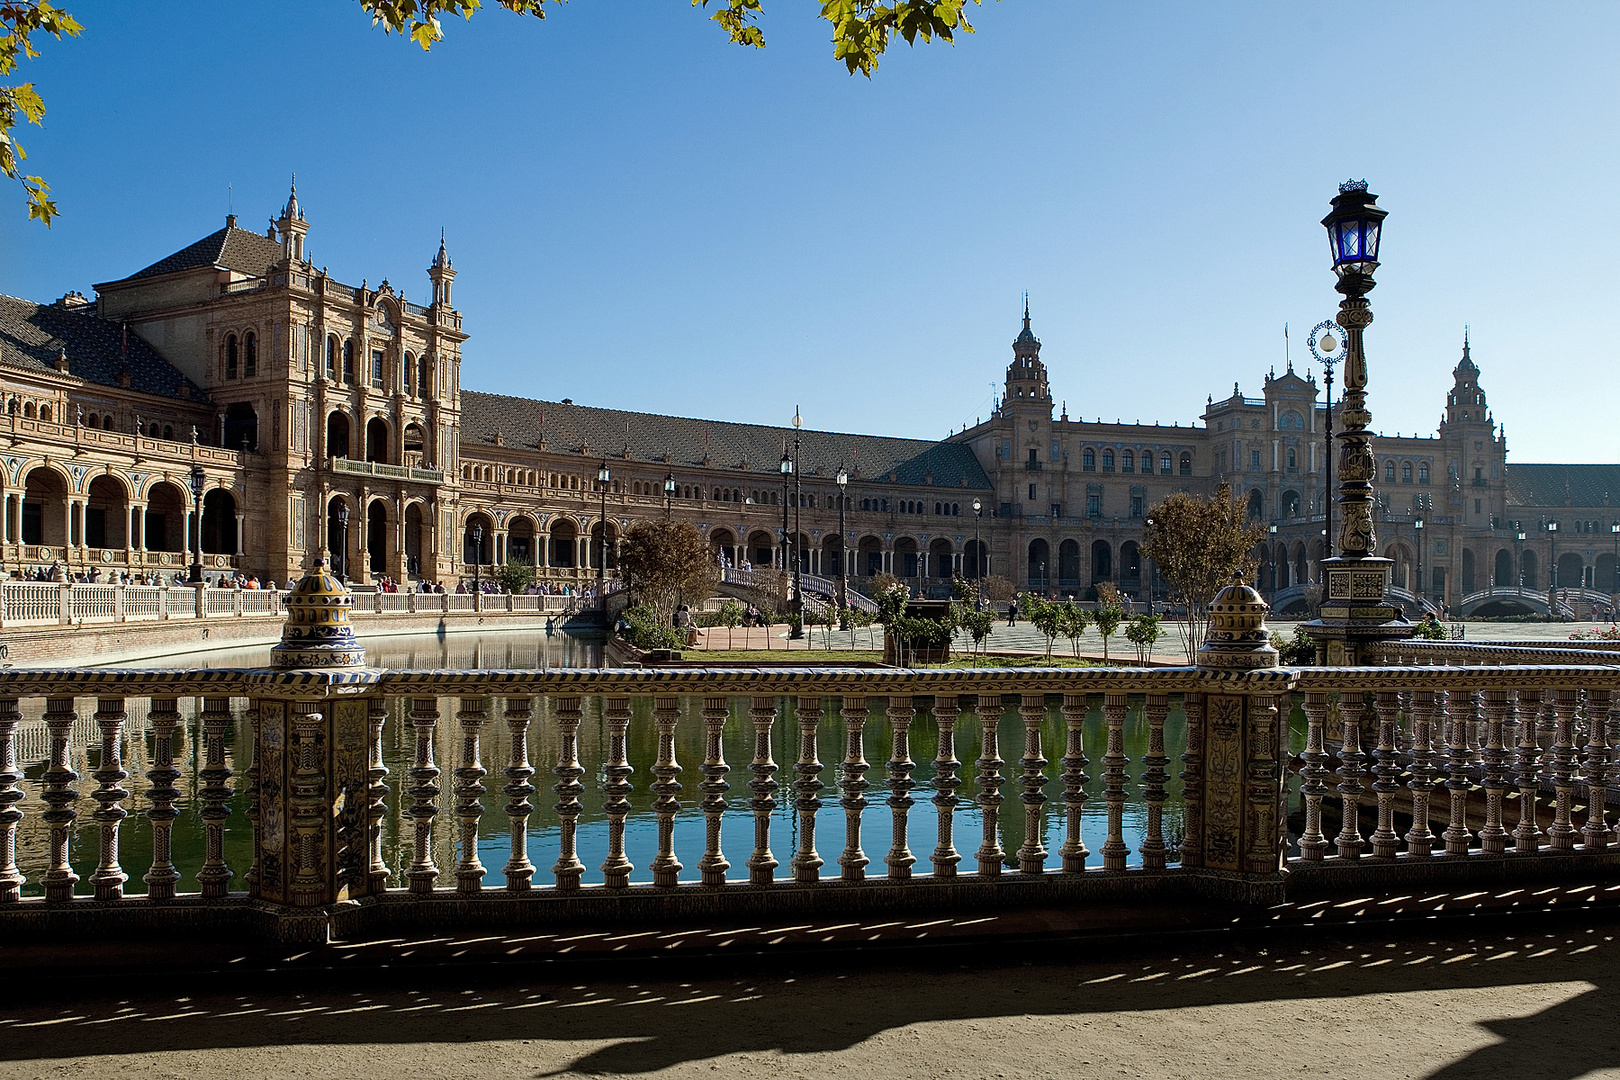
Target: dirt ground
1538, 1005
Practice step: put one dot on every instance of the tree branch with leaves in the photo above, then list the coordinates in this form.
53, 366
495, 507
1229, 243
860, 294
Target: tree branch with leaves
1200, 544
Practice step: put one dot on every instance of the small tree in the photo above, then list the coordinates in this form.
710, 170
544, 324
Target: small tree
1144, 631
1072, 623
1200, 544
731, 615
1044, 616
1109, 612
515, 577
997, 589
665, 560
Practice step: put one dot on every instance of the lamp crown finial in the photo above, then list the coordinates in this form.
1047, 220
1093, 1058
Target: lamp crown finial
1352, 185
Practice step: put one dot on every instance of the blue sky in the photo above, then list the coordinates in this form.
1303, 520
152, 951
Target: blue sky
644, 216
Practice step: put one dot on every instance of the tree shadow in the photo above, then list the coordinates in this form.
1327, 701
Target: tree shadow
643, 1016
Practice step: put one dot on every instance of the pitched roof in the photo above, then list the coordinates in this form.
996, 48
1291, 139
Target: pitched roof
33, 335
1552, 485
230, 249
567, 427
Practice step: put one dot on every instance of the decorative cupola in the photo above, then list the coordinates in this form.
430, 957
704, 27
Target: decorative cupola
1466, 401
292, 226
442, 274
1026, 376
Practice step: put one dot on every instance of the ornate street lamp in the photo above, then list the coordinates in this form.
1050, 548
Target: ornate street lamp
1552, 556
669, 492
603, 476
478, 556
198, 480
843, 553
1351, 616
797, 629
978, 559
1520, 546
343, 542
1614, 530
1417, 541
1327, 345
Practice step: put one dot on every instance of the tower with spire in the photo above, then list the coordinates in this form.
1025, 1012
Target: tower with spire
1026, 375
442, 274
292, 227
1465, 404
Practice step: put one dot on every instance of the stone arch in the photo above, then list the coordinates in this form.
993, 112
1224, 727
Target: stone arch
760, 550
905, 560
377, 440
337, 434
231, 356
378, 534
415, 531
477, 538
563, 549
339, 520
1502, 574
413, 444
1529, 570
106, 512
241, 427
44, 506
1102, 561
832, 554
1571, 570
723, 542
1290, 504
1302, 567
1468, 571
1257, 505
1040, 566
869, 556
521, 531
1068, 564
941, 557
605, 535
219, 522
1130, 563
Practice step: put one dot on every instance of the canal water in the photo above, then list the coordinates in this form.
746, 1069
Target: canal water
515, 649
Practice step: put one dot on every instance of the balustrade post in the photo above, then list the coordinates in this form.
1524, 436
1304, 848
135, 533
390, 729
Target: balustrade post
1596, 834
947, 707
900, 860
469, 792
990, 856
1192, 783
254, 795
11, 879
1154, 777
1032, 852
214, 877
852, 787
666, 868
1387, 772
519, 870
424, 790
1349, 843
59, 797
161, 878
1527, 833
108, 879
1313, 774
568, 869
1460, 718
1493, 755
1114, 849
713, 866
616, 790
376, 876
761, 863
1561, 833
1420, 838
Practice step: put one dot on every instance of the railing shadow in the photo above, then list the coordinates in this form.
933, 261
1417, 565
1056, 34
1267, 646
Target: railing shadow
1540, 1002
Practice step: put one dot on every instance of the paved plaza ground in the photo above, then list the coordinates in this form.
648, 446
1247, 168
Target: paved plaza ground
1024, 638
1538, 1002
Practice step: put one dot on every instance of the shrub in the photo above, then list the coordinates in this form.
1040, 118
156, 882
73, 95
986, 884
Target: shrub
647, 630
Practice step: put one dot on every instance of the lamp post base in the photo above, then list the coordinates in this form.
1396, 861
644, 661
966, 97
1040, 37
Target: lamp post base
1353, 613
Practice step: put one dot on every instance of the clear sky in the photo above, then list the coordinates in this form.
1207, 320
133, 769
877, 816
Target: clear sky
644, 216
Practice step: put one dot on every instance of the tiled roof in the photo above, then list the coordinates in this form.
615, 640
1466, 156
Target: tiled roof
1552, 485
567, 428
230, 248
32, 335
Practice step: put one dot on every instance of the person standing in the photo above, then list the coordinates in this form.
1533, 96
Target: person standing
1012, 612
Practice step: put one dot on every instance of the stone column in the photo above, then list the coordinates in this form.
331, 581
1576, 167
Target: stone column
1234, 843
312, 779
241, 532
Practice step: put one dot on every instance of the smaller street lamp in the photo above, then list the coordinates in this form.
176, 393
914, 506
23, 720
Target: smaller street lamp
1552, 555
669, 492
603, 476
843, 553
978, 559
478, 555
198, 480
1520, 529
1614, 530
1417, 530
343, 542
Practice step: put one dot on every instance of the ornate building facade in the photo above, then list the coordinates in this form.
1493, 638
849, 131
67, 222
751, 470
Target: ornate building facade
329, 420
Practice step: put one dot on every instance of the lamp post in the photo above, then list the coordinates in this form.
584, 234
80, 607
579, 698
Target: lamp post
1346, 624
1326, 347
843, 554
797, 629
1614, 530
1152, 572
1271, 555
669, 493
198, 479
1552, 556
1417, 542
978, 560
1520, 546
602, 478
343, 542
478, 556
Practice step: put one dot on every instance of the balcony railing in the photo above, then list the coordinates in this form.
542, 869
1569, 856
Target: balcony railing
294, 804
379, 468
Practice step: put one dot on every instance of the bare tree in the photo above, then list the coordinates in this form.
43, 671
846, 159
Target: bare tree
1200, 545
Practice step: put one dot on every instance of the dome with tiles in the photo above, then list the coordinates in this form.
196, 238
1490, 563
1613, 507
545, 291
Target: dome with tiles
1237, 636
318, 633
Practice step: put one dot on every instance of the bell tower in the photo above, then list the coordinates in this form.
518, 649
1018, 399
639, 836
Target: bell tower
1026, 375
442, 274
1466, 401
292, 227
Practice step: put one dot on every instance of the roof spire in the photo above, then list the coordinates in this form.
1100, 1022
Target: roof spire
443, 258
1026, 309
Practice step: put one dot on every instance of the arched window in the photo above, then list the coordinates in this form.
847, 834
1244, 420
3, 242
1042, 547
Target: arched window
107, 422
1406, 472
1164, 463
92, 421
1186, 464
1293, 458
1108, 461
1423, 472
168, 432
1389, 472
410, 373
422, 376
1127, 461
250, 355
230, 356
348, 362
45, 413
153, 433
1088, 460
331, 356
